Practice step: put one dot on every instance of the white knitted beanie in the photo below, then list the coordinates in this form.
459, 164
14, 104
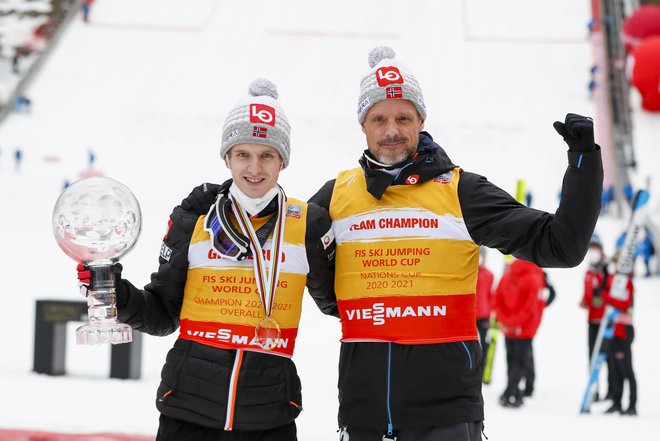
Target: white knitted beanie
388, 79
258, 118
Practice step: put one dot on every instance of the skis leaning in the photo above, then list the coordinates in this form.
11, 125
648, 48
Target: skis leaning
618, 290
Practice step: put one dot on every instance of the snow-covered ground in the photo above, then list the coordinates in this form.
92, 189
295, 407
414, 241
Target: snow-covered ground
146, 86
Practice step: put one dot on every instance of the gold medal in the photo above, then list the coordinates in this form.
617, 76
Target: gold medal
267, 333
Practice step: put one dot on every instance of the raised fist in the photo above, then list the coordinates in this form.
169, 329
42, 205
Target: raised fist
578, 132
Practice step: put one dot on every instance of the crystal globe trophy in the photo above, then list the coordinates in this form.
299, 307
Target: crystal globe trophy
96, 221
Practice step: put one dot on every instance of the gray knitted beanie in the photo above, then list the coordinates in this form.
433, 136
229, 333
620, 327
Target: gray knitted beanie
388, 79
258, 118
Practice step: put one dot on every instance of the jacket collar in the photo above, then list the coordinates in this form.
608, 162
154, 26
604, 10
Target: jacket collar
429, 161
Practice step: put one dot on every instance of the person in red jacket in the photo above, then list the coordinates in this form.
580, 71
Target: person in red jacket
595, 283
621, 348
519, 307
485, 282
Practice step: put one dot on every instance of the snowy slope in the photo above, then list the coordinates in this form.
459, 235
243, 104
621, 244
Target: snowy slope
146, 86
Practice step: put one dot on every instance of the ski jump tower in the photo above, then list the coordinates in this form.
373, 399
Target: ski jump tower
611, 96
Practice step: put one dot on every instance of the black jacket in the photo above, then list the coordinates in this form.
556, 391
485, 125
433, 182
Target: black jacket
195, 378
411, 386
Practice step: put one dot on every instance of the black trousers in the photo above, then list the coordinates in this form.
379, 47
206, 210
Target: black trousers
621, 355
530, 370
171, 429
455, 432
482, 326
517, 358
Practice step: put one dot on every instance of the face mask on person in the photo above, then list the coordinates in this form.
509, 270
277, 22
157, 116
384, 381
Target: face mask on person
594, 256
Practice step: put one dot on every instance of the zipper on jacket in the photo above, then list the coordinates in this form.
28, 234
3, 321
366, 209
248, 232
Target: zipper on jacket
233, 387
390, 425
468, 353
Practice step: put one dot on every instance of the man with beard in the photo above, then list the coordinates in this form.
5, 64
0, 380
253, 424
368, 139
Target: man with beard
408, 224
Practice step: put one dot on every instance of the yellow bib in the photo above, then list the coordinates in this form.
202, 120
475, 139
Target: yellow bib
221, 305
406, 268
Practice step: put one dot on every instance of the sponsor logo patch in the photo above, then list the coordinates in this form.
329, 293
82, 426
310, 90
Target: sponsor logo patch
444, 178
363, 104
412, 179
388, 75
328, 238
262, 114
294, 211
231, 135
349, 180
165, 252
378, 313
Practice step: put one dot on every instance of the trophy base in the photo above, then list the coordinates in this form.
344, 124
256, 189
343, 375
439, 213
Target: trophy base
99, 333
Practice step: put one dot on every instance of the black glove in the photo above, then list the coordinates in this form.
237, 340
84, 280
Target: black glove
578, 132
87, 275
199, 201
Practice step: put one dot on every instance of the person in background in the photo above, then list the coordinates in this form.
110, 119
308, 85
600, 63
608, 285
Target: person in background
18, 159
621, 349
86, 8
485, 285
546, 297
232, 281
519, 308
91, 158
647, 250
595, 283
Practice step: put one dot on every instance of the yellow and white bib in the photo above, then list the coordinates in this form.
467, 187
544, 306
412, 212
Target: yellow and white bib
221, 305
406, 268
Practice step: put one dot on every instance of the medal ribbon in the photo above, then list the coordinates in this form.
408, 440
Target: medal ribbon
266, 280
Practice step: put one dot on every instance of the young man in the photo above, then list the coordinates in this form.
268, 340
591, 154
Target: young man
408, 225
232, 281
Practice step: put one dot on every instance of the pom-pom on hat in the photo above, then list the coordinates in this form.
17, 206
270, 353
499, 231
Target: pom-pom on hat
258, 118
388, 79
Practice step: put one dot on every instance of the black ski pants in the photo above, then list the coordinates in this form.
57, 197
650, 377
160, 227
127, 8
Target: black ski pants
482, 326
621, 356
517, 358
454, 432
171, 429
530, 370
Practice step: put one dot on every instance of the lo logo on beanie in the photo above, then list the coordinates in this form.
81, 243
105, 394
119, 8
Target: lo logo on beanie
261, 113
388, 75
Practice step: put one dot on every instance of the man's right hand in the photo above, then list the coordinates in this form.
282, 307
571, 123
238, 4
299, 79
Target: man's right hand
199, 201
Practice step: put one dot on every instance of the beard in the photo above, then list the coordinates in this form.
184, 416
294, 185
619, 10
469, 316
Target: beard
391, 156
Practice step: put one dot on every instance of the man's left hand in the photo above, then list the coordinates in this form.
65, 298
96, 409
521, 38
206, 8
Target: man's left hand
578, 132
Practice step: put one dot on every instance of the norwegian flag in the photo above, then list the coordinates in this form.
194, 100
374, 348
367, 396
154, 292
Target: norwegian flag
259, 132
394, 92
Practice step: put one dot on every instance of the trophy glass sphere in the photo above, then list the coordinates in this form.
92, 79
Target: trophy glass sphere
96, 221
